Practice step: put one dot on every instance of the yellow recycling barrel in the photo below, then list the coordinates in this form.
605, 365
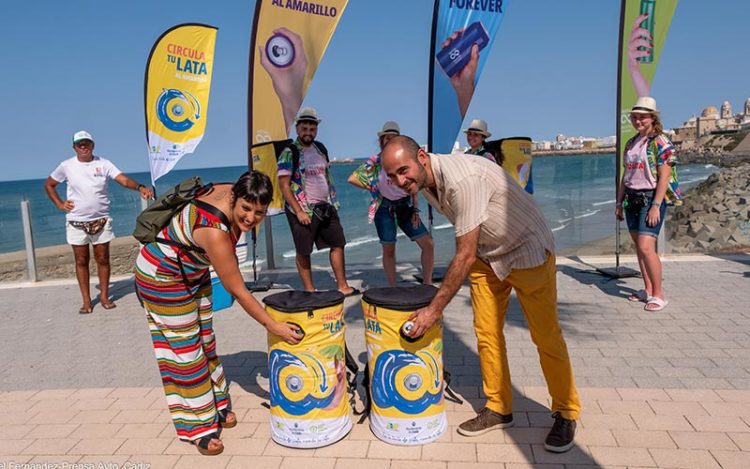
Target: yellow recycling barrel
308, 380
406, 375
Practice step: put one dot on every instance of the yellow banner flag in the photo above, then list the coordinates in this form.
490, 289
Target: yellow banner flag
289, 39
178, 82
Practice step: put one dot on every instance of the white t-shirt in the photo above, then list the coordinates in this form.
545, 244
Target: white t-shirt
87, 186
316, 182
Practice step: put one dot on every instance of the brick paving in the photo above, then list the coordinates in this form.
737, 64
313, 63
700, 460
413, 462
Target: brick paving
668, 389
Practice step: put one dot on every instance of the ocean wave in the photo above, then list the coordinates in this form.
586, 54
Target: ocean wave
587, 214
596, 204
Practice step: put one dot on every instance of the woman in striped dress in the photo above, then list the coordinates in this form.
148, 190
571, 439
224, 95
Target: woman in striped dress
174, 286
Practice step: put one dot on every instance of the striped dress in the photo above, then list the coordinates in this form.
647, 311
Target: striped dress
180, 318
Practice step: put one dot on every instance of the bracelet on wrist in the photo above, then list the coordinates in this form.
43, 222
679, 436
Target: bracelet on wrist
656, 204
138, 187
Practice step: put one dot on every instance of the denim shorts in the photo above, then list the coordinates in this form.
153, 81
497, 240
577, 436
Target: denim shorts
392, 212
636, 217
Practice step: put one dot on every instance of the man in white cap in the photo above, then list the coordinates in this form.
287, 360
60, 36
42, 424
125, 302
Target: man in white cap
476, 134
87, 212
311, 208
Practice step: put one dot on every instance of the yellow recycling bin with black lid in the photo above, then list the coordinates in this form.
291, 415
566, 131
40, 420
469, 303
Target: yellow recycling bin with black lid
406, 375
308, 380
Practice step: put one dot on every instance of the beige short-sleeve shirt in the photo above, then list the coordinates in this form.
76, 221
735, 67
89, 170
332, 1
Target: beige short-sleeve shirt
473, 191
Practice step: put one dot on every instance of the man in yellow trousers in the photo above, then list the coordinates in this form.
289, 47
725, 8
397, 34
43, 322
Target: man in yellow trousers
502, 243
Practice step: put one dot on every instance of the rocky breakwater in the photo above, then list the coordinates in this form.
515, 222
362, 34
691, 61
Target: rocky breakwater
715, 215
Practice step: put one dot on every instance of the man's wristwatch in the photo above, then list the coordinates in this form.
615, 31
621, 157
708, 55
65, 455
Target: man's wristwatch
138, 187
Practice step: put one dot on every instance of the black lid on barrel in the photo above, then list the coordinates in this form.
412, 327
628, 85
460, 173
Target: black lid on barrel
295, 301
400, 298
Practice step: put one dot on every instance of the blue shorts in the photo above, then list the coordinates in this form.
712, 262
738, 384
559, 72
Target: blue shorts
636, 214
392, 212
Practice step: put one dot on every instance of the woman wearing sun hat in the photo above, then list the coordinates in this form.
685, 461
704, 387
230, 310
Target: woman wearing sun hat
391, 206
648, 185
476, 134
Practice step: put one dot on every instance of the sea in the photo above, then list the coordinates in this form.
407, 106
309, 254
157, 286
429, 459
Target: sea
575, 192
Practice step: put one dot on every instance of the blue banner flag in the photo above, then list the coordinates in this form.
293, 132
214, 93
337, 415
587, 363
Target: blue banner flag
463, 32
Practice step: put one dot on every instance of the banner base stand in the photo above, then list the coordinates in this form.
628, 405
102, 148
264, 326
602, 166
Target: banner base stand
617, 272
438, 274
263, 284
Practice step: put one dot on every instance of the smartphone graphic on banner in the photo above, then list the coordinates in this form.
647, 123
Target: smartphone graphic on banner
454, 58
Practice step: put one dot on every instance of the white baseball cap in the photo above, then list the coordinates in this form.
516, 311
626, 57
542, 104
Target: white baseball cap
82, 135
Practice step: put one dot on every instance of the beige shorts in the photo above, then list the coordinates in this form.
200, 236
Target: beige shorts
78, 237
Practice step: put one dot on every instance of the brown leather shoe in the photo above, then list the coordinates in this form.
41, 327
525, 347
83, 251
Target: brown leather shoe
485, 421
561, 435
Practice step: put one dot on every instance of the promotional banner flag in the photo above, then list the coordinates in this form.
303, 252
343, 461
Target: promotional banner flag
643, 29
515, 153
463, 32
176, 89
288, 40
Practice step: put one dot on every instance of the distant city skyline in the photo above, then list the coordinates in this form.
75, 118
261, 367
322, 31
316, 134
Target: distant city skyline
80, 64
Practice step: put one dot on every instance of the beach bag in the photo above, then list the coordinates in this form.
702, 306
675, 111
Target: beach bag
308, 381
153, 219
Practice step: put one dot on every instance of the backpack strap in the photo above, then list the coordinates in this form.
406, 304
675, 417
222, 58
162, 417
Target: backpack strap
197, 249
321, 148
352, 369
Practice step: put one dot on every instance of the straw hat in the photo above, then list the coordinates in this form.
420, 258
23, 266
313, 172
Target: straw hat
479, 126
308, 114
390, 128
645, 105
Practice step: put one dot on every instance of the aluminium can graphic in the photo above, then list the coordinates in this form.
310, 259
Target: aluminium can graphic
308, 380
406, 375
280, 50
648, 7
456, 55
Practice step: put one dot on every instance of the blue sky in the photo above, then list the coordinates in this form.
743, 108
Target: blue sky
79, 64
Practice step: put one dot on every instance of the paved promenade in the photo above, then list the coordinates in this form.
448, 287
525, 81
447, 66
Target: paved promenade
668, 389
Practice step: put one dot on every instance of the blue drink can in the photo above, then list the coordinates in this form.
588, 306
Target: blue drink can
648, 7
455, 57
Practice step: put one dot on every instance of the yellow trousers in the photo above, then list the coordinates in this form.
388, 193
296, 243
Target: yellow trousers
536, 289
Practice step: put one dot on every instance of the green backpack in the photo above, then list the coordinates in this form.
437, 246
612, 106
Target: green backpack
153, 219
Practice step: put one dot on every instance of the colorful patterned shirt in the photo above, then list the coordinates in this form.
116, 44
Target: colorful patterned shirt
481, 151
370, 174
297, 184
660, 151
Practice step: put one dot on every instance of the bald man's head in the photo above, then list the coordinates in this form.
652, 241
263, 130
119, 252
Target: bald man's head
404, 162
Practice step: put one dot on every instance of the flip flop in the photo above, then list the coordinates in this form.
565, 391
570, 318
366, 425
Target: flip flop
108, 305
203, 445
355, 291
86, 310
656, 303
227, 419
640, 295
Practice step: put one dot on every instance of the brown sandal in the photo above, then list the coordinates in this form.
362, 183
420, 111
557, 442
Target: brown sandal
108, 305
227, 419
203, 445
